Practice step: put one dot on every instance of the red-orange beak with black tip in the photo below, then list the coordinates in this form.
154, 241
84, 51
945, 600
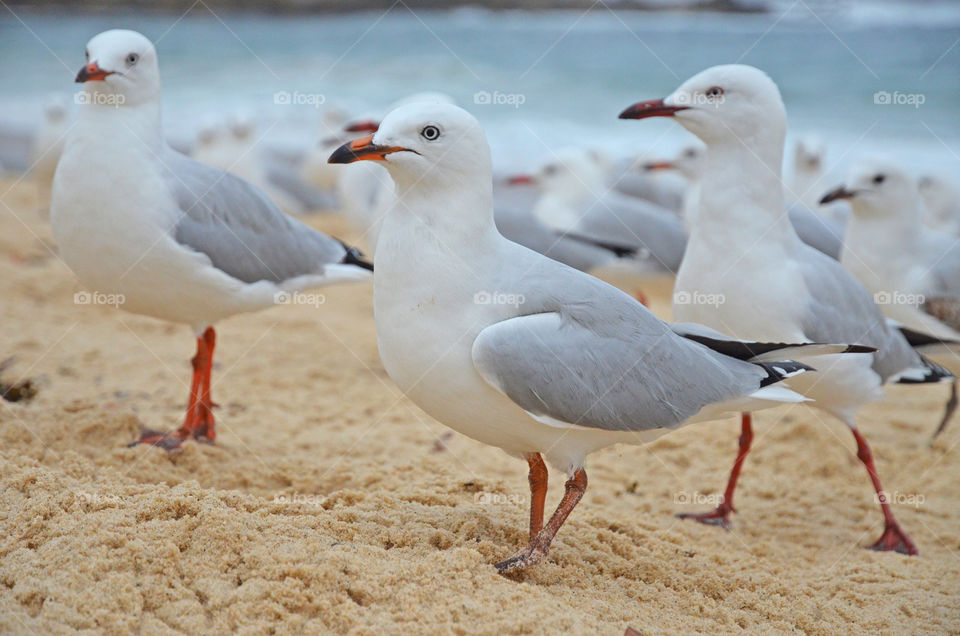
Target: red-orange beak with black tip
364, 125
92, 73
651, 108
363, 149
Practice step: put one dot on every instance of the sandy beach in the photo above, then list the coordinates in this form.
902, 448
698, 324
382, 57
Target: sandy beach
331, 504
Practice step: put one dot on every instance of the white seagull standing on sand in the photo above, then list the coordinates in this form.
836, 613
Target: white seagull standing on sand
774, 287
519, 351
176, 239
913, 271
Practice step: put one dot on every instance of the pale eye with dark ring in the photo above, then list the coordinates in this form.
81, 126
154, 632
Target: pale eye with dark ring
132, 59
430, 133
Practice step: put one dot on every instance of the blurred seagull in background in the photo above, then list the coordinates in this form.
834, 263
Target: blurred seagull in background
941, 197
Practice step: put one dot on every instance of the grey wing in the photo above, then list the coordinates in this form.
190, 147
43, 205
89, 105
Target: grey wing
525, 229
242, 232
644, 186
942, 298
659, 233
620, 379
842, 310
816, 231
283, 174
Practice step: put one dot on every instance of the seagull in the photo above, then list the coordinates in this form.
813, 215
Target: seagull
941, 197
48, 144
517, 350
576, 200
173, 238
913, 271
744, 250
630, 177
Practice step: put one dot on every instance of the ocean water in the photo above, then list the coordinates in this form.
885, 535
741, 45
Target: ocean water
553, 78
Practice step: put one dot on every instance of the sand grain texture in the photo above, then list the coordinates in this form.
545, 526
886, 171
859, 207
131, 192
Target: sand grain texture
331, 504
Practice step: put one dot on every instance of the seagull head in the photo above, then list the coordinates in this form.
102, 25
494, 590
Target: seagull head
120, 70
809, 154
877, 188
426, 144
55, 108
689, 162
729, 103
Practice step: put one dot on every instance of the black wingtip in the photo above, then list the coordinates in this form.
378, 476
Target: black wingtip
354, 257
619, 250
860, 349
777, 371
933, 374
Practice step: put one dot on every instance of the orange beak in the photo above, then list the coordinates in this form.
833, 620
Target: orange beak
659, 165
520, 179
363, 149
652, 108
364, 125
92, 73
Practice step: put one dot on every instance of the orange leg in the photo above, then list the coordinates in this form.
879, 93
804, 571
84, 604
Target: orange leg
720, 516
198, 422
538, 491
539, 543
893, 537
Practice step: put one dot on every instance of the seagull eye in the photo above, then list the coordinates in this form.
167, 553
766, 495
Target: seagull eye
689, 154
550, 170
877, 180
430, 133
132, 59
714, 92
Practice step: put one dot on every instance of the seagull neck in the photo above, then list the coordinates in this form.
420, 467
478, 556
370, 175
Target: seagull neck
877, 230
141, 121
741, 192
448, 208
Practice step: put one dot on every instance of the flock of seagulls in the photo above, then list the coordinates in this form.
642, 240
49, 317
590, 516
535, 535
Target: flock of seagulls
488, 315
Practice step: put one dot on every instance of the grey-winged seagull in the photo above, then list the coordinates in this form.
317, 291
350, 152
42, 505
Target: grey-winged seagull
912, 270
744, 250
517, 350
173, 238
